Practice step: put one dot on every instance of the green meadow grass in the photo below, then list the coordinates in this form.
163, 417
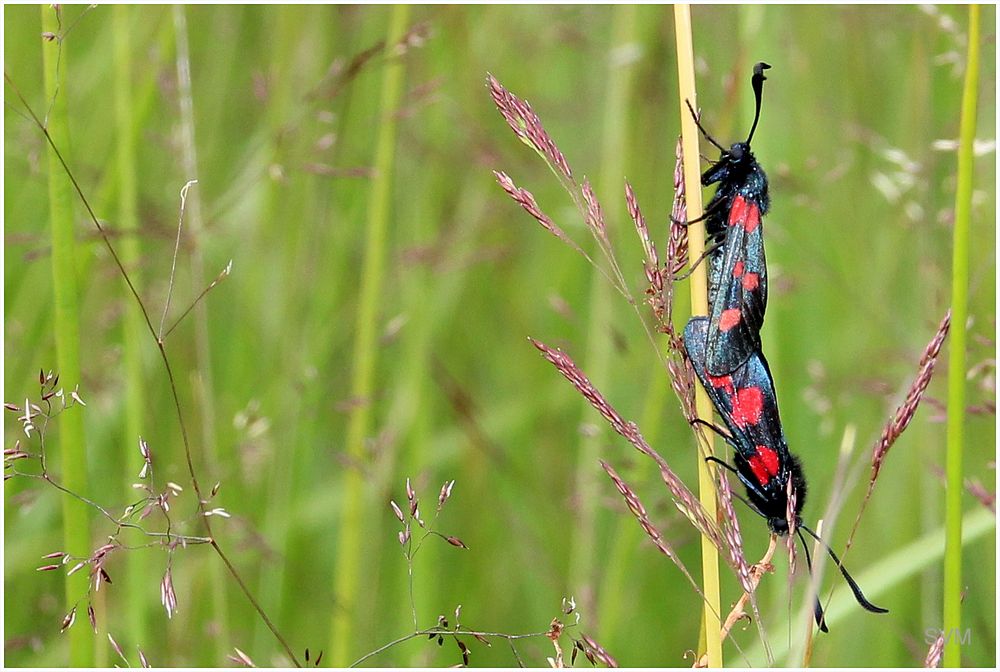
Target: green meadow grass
288, 116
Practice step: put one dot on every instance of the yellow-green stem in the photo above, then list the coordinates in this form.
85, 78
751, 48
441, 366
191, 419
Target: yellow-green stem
699, 306
348, 582
956, 356
72, 447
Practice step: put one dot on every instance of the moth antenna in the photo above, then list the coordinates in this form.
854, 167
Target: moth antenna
758, 85
701, 128
817, 607
858, 595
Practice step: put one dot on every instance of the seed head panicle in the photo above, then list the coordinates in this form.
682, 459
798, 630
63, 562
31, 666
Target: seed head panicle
900, 420
527, 126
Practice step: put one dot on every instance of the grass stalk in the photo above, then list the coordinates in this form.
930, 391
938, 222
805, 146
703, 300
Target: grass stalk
347, 580
699, 306
956, 356
600, 349
133, 327
72, 445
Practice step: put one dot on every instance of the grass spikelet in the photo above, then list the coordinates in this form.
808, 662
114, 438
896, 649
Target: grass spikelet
686, 502
639, 511
904, 413
528, 127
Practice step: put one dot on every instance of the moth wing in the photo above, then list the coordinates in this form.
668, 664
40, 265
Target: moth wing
737, 311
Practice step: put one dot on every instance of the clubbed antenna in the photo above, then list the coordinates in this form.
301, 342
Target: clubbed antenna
758, 85
817, 607
855, 588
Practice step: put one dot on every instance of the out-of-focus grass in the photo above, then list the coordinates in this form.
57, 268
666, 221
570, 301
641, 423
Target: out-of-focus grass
858, 245
133, 329
71, 446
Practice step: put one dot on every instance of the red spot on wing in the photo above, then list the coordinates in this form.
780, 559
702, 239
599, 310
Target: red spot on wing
729, 319
725, 382
744, 213
738, 269
764, 464
750, 281
738, 210
748, 404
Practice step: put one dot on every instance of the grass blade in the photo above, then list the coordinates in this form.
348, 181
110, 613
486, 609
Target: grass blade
956, 356
72, 447
347, 583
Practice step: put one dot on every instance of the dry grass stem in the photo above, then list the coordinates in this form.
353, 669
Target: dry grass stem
738, 612
173, 262
900, 420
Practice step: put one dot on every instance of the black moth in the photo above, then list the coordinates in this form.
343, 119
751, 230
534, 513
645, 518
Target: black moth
748, 405
737, 283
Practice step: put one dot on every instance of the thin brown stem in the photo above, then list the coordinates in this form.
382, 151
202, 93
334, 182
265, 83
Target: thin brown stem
738, 612
173, 260
219, 278
441, 631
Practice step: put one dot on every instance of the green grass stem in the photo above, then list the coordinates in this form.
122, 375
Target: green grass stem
955, 488
348, 578
72, 445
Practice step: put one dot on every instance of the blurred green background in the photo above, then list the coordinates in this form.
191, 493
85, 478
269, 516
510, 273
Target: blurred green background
286, 114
